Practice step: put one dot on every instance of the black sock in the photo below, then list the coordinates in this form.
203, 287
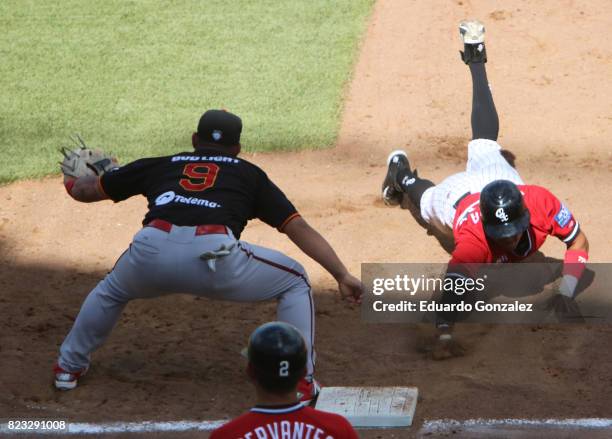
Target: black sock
413, 186
485, 123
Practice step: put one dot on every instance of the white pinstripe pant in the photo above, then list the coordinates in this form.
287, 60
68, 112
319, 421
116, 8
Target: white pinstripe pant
484, 165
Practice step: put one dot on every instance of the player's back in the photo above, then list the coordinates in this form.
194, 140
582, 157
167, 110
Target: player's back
548, 216
206, 186
295, 421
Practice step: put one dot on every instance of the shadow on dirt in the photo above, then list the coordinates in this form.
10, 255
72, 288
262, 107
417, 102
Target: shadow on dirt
173, 357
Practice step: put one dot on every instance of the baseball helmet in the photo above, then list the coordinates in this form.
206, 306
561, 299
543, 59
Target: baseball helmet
277, 352
503, 210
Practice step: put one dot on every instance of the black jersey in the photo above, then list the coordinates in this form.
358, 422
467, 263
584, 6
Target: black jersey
201, 187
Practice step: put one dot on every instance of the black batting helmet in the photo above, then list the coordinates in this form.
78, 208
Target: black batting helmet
503, 210
277, 354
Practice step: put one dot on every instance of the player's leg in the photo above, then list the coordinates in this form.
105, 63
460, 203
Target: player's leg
431, 201
136, 274
482, 153
435, 204
96, 319
253, 273
485, 122
400, 179
485, 160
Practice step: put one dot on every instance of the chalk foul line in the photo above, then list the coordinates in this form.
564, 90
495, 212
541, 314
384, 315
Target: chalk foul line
436, 425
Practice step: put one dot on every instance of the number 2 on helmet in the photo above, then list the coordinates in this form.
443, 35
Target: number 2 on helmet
283, 370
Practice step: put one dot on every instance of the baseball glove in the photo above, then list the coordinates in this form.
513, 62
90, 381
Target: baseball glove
83, 160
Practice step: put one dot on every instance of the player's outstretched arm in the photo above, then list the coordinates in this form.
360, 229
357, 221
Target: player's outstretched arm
576, 257
85, 189
82, 167
314, 245
580, 243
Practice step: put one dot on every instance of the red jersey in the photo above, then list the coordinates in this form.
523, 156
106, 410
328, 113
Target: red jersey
291, 422
548, 217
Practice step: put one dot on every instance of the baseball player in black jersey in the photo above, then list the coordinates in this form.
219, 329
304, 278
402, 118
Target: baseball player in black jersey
199, 202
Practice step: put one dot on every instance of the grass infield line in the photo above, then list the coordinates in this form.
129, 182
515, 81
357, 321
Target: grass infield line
431, 426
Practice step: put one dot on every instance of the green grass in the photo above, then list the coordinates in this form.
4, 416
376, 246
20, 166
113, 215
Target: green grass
133, 77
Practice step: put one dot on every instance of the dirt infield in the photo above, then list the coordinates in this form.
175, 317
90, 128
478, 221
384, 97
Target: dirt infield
178, 357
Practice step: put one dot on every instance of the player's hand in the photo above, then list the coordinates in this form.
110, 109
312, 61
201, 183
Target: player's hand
351, 288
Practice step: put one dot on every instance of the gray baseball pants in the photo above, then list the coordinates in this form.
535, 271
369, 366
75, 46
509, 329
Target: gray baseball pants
158, 263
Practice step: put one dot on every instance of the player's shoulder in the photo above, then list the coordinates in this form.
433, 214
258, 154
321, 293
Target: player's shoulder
252, 165
327, 420
540, 201
471, 245
234, 426
144, 161
138, 166
535, 193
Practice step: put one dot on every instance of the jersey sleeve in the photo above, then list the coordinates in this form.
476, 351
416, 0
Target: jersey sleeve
467, 258
558, 218
271, 204
126, 181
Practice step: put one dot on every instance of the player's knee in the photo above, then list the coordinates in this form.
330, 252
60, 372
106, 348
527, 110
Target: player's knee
109, 292
295, 268
300, 269
482, 146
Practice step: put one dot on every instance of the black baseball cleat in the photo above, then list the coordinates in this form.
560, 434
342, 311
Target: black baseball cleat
472, 34
391, 190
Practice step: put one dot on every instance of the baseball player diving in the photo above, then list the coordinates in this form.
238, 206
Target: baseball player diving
199, 202
277, 360
491, 213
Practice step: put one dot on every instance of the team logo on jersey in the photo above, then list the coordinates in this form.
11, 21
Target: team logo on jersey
165, 198
171, 197
217, 134
563, 216
408, 181
501, 214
